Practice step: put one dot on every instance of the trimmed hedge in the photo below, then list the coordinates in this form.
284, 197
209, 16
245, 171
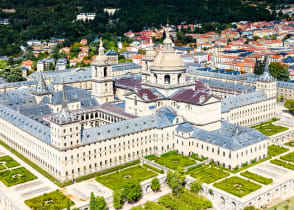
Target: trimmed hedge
150, 157
174, 160
257, 178
208, 174
290, 143
9, 179
194, 156
106, 171
49, 201
116, 180
9, 161
275, 150
153, 168
237, 186
288, 157
282, 163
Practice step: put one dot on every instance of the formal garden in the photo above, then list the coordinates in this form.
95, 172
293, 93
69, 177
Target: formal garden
288, 157
49, 201
185, 200
282, 164
116, 180
290, 143
174, 160
268, 128
275, 150
237, 186
16, 176
8, 162
207, 173
256, 177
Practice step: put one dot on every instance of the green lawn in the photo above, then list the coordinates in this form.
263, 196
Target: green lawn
287, 204
117, 179
290, 143
49, 201
237, 186
256, 177
208, 174
288, 157
174, 160
269, 129
16, 176
8, 161
2, 167
274, 150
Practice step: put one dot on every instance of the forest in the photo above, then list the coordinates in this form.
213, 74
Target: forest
43, 19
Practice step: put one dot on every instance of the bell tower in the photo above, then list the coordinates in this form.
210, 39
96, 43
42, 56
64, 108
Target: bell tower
102, 83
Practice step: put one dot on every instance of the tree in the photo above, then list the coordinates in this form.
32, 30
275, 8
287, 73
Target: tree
118, 201
258, 68
176, 182
279, 71
92, 202
67, 204
289, 104
195, 186
131, 191
100, 203
155, 185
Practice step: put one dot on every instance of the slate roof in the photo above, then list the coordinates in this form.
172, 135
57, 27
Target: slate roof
125, 66
72, 95
36, 111
242, 100
229, 136
289, 85
33, 127
111, 53
162, 118
228, 85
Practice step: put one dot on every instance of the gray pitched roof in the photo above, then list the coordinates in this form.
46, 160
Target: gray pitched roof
33, 127
41, 87
229, 136
163, 118
242, 100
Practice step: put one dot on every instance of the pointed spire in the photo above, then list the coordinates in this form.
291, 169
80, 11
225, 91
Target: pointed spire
41, 87
101, 48
167, 42
63, 102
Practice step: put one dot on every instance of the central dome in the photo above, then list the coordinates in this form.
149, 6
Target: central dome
168, 61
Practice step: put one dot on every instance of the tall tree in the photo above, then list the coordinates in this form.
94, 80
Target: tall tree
155, 185
118, 201
279, 71
92, 202
131, 190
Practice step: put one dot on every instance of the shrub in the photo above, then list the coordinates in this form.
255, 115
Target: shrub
195, 186
153, 168
118, 200
288, 157
283, 164
150, 157
131, 191
155, 185
257, 178
9, 162
16, 176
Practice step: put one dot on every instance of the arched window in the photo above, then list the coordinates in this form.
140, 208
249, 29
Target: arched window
179, 78
155, 75
167, 79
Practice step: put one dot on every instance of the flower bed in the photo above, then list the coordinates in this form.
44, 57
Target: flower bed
16, 176
237, 186
256, 177
117, 179
174, 160
275, 150
208, 174
48, 201
288, 157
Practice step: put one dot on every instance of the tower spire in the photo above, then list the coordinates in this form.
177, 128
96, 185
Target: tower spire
101, 48
63, 102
